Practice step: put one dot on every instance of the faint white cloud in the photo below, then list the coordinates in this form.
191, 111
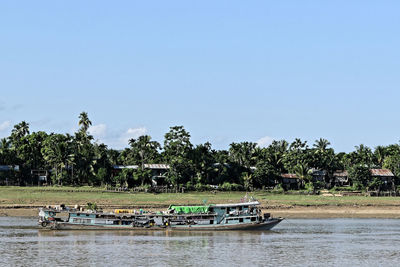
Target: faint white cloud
4, 125
131, 133
265, 141
98, 131
115, 139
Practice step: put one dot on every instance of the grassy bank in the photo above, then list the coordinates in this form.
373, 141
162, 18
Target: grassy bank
10, 196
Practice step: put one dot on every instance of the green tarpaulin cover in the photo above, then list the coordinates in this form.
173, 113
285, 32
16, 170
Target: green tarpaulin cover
190, 209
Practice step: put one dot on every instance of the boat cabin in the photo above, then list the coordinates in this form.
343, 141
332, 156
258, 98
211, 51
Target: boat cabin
220, 213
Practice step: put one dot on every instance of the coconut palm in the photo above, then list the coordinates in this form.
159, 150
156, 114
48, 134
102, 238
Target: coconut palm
143, 149
20, 130
363, 155
84, 121
243, 153
248, 181
321, 144
303, 172
5, 151
380, 154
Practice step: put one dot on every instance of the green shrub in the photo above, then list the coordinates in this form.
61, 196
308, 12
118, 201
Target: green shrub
189, 186
278, 189
375, 184
361, 176
309, 186
201, 187
141, 188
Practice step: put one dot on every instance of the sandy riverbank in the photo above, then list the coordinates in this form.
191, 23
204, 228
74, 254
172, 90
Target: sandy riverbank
25, 201
338, 212
286, 212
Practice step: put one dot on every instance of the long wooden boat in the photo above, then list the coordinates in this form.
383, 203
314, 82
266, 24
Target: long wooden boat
237, 216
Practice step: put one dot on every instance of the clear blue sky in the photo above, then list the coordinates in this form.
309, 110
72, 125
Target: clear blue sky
229, 71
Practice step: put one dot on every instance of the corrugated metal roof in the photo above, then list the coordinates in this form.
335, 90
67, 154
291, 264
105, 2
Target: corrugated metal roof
340, 174
157, 166
147, 166
289, 175
9, 167
381, 172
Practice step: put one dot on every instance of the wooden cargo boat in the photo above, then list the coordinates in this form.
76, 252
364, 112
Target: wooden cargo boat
238, 216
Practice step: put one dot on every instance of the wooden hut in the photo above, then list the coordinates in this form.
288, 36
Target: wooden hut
341, 178
318, 175
386, 177
289, 181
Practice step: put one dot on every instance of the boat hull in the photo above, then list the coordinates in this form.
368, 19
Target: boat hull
261, 226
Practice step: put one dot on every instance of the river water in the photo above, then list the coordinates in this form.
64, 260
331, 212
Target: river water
295, 242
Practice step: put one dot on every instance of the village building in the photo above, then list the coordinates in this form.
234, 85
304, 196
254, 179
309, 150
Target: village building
41, 176
341, 178
289, 181
385, 176
6, 172
318, 175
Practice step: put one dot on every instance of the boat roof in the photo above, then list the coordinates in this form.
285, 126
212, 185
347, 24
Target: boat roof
251, 203
203, 208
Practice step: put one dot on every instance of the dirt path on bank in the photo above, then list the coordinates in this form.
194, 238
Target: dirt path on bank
19, 212
286, 212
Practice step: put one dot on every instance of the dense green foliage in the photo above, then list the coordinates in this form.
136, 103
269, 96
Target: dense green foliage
78, 160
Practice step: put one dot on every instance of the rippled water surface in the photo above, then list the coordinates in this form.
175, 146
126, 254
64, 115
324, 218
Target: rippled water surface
310, 242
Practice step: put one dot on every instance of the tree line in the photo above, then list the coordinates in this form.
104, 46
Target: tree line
78, 160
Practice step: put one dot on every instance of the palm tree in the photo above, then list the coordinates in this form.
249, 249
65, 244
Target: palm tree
362, 155
145, 149
297, 144
4, 144
84, 121
321, 144
243, 153
303, 172
58, 153
4, 151
20, 130
278, 150
380, 154
248, 181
